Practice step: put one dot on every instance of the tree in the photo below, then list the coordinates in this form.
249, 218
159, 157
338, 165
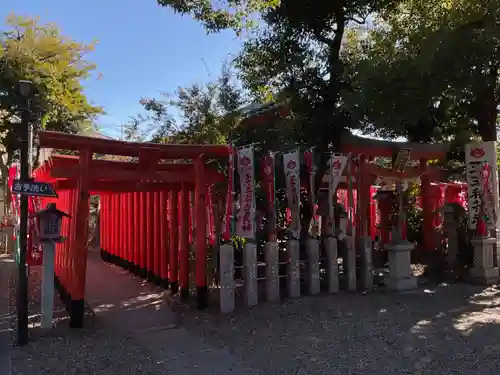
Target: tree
56, 66
429, 71
229, 14
295, 53
196, 114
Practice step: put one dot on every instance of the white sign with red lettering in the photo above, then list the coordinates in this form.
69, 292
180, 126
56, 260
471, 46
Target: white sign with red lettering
291, 164
477, 155
246, 170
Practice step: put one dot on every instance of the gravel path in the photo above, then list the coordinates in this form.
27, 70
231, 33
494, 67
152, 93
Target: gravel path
133, 332
446, 330
449, 329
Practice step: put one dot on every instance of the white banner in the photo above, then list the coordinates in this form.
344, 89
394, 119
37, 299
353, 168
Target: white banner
291, 164
338, 163
476, 156
246, 215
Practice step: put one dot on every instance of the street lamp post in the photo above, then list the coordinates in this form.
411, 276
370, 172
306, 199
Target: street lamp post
25, 88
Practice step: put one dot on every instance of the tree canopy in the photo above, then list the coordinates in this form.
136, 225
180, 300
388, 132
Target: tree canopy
294, 53
201, 114
429, 71
56, 66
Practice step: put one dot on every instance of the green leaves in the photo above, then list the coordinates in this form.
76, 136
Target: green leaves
55, 65
196, 114
430, 72
230, 14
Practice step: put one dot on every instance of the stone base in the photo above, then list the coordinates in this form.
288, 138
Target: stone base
400, 277
484, 276
400, 284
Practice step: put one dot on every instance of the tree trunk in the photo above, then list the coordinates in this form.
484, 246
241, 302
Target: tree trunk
487, 102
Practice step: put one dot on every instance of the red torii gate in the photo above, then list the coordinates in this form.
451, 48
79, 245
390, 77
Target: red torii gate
368, 148
142, 185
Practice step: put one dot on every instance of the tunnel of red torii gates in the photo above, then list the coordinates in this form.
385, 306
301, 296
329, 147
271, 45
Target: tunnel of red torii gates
133, 203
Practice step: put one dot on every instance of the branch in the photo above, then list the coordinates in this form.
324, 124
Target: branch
361, 21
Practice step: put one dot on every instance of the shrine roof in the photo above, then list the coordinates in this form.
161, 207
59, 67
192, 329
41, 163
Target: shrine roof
58, 140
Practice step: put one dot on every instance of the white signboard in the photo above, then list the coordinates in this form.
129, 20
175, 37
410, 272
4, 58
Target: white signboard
246, 217
476, 156
291, 164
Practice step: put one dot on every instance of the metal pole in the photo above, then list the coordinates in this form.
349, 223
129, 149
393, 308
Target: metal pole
22, 280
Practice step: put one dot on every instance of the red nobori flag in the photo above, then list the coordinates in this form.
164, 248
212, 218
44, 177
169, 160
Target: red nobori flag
309, 162
227, 225
268, 175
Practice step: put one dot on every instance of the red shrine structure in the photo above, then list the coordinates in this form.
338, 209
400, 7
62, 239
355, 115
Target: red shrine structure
134, 197
367, 149
147, 191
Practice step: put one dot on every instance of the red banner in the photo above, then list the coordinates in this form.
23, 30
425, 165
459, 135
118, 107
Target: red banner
309, 162
210, 218
267, 170
227, 226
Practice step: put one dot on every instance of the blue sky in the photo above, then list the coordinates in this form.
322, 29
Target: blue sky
143, 49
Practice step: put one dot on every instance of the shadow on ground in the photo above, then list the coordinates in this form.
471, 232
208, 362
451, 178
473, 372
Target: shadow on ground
450, 329
447, 329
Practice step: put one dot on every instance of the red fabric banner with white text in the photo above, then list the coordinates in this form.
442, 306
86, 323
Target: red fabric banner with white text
246, 170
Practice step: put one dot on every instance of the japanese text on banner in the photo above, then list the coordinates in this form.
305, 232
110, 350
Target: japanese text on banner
246, 217
227, 225
291, 163
477, 155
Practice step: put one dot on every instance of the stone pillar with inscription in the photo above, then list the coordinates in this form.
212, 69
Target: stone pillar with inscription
227, 284
293, 269
312, 249
331, 250
250, 273
271, 254
399, 250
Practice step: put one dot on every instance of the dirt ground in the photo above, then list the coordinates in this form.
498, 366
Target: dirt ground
443, 329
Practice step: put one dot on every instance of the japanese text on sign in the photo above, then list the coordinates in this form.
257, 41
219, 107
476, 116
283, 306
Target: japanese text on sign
33, 188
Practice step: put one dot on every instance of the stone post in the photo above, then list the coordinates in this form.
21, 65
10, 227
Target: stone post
342, 230
450, 222
271, 253
496, 259
332, 265
400, 277
226, 263
312, 249
293, 274
350, 264
250, 273
192, 266
366, 248
484, 272
349, 258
